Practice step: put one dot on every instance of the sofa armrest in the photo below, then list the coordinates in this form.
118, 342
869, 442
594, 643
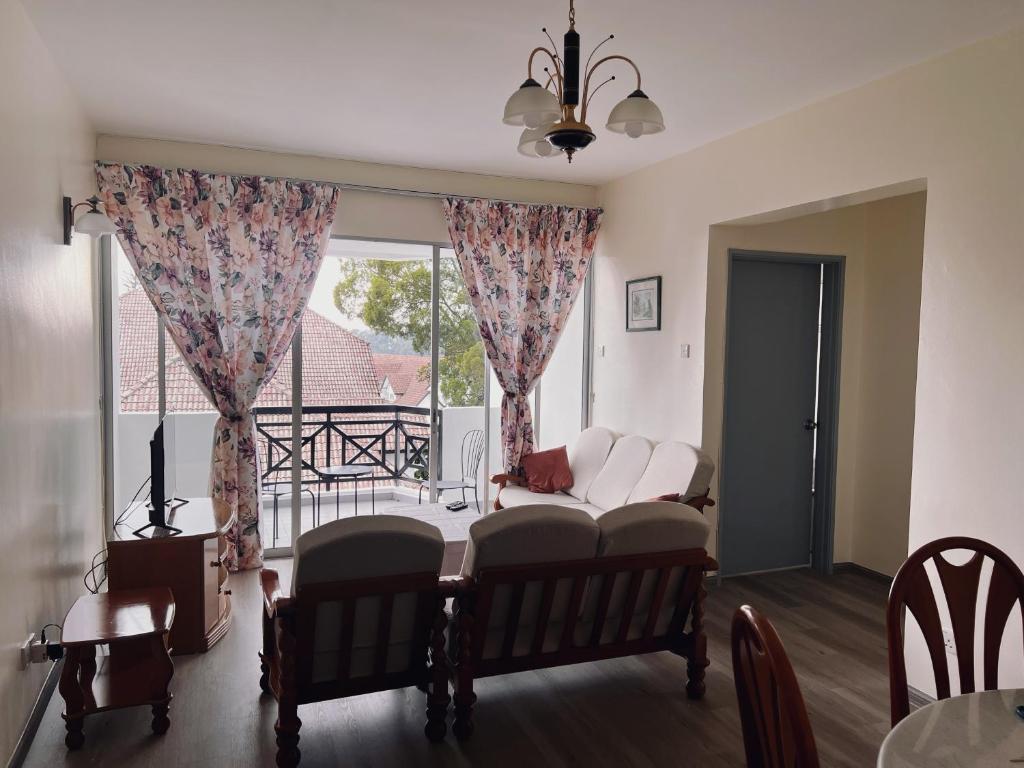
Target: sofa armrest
504, 479
274, 598
699, 502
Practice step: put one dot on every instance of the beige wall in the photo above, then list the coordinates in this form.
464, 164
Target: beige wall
361, 213
882, 243
957, 122
50, 476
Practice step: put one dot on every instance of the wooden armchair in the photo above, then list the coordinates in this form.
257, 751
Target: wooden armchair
365, 613
545, 586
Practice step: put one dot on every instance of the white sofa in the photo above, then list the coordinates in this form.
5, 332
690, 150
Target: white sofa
609, 471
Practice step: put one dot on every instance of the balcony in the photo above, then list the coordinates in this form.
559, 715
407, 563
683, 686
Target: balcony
393, 441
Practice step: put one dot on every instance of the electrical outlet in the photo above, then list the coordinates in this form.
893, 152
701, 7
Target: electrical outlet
948, 641
26, 651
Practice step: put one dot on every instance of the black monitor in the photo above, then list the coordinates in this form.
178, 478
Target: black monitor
159, 504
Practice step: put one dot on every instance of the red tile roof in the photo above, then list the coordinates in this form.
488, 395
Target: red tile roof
337, 366
409, 376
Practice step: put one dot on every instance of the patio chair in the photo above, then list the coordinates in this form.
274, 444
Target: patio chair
472, 453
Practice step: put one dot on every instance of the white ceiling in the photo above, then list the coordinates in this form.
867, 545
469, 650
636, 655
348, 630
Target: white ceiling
423, 82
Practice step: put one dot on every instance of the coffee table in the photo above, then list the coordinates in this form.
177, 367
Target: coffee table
135, 624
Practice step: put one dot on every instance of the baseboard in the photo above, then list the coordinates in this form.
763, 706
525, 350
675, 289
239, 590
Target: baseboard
35, 716
918, 698
863, 571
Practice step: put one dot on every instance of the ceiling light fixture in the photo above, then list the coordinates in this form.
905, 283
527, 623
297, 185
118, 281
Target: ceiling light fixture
549, 112
92, 222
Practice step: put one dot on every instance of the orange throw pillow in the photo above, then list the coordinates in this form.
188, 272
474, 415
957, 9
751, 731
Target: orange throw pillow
548, 471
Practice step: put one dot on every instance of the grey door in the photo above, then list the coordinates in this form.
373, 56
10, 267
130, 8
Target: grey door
768, 439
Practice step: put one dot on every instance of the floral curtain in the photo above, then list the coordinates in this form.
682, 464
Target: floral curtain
229, 263
523, 266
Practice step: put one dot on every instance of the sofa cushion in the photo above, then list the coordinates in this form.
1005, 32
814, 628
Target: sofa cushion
539, 533
366, 547
363, 548
517, 496
535, 533
623, 468
635, 529
674, 467
547, 471
587, 457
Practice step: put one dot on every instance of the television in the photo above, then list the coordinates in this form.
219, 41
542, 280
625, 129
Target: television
159, 501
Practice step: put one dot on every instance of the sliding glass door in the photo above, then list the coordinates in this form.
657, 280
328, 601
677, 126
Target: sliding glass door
385, 402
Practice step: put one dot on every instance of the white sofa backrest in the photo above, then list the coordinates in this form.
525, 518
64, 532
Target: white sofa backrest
587, 457
647, 527
365, 548
621, 471
674, 467
534, 533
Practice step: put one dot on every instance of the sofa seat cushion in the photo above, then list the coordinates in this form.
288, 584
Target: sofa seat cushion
621, 471
587, 457
518, 496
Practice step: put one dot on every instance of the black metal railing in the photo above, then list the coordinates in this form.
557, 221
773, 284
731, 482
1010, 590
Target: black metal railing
393, 439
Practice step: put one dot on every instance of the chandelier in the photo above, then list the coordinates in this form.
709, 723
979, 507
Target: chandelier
549, 112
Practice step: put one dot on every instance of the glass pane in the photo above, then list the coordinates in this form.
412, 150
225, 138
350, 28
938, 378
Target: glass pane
561, 397
136, 388
366, 381
460, 391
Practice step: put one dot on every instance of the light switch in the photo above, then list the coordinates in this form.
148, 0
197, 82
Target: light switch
684, 350
600, 351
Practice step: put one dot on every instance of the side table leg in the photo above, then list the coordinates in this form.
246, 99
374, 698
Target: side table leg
74, 701
162, 682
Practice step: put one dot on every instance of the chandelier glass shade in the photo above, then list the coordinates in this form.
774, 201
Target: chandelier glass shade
548, 112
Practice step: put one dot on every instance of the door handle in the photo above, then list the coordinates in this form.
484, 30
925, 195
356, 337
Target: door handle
810, 425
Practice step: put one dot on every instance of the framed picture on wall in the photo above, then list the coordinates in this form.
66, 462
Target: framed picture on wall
643, 304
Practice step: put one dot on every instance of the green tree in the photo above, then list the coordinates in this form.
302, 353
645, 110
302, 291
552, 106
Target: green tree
393, 298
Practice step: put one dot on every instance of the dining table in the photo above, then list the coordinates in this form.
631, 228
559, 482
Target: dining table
980, 730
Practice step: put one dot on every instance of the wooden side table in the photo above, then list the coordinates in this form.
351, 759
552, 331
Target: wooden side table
135, 623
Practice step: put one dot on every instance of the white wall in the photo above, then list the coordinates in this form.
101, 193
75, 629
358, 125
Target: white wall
360, 214
955, 121
882, 244
50, 448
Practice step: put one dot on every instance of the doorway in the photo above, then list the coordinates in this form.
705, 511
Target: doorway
783, 325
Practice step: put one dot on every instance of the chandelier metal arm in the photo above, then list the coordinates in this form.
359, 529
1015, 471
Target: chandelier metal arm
557, 76
598, 63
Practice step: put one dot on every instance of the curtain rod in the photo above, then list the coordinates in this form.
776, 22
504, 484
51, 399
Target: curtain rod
398, 191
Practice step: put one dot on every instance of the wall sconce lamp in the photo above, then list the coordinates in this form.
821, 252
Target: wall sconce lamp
92, 222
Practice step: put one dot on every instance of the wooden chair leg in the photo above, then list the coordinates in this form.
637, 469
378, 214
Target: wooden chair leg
268, 653
697, 659
437, 693
288, 723
464, 698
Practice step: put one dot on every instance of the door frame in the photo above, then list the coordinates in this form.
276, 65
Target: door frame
823, 508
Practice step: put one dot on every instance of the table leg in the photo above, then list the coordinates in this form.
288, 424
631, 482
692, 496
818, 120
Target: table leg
373, 494
355, 484
162, 682
74, 701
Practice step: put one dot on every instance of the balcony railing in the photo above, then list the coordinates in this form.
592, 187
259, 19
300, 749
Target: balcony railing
394, 439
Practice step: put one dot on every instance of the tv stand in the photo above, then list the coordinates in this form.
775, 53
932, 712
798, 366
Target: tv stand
190, 563
169, 506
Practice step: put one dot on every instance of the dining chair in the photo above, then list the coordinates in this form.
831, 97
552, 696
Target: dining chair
776, 731
960, 584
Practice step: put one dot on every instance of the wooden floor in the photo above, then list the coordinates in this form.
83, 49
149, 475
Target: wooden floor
619, 713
